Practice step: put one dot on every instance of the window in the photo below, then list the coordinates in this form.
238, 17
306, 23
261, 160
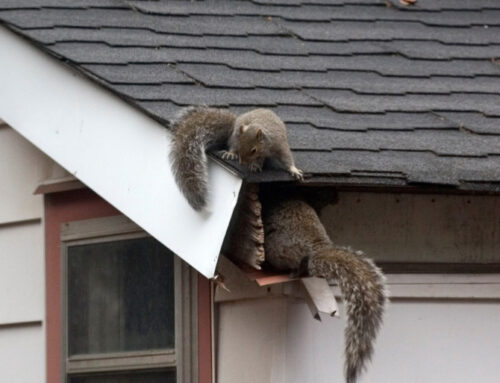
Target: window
128, 306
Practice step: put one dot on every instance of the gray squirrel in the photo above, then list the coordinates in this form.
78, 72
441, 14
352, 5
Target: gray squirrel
252, 138
295, 240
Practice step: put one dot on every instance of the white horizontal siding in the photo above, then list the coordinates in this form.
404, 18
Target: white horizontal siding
251, 342
22, 167
420, 341
22, 271
22, 353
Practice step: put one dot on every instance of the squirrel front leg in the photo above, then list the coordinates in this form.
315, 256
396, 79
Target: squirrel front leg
233, 150
234, 147
286, 158
296, 173
228, 154
256, 166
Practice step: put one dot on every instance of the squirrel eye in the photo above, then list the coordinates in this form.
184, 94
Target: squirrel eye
253, 151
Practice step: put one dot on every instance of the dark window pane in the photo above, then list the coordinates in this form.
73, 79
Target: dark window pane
120, 297
135, 377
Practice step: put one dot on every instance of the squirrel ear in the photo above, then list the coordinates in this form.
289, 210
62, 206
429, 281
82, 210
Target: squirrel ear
243, 128
259, 134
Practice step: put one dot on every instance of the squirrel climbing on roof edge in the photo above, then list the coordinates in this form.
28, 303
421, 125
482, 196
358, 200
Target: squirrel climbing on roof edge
295, 240
251, 137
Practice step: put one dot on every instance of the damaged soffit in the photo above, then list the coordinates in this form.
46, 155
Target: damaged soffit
373, 92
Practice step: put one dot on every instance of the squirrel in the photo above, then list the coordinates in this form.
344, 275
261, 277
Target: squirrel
260, 134
252, 138
295, 240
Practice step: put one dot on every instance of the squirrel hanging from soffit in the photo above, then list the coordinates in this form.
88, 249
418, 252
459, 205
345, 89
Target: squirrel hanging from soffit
295, 239
251, 137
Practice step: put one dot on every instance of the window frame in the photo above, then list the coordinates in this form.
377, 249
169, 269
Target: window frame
183, 357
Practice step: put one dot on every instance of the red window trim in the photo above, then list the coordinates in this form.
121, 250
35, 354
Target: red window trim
84, 204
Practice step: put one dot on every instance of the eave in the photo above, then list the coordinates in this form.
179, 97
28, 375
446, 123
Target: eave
119, 152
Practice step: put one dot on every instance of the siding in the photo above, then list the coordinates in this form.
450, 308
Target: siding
421, 341
417, 228
438, 327
22, 298
22, 351
251, 342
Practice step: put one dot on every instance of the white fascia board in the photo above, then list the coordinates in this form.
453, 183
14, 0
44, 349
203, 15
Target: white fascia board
119, 152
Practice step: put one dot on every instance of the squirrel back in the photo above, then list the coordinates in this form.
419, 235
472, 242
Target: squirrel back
295, 240
197, 129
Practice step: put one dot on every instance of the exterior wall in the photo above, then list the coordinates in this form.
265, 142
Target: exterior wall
417, 228
422, 340
438, 327
22, 298
251, 341
22, 351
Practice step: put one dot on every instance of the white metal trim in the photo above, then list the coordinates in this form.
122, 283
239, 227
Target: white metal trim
58, 185
116, 150
442, 286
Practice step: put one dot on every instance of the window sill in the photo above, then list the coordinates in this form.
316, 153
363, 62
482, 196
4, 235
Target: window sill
121, 361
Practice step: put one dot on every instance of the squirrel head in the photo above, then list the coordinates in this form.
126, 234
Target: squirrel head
252, 143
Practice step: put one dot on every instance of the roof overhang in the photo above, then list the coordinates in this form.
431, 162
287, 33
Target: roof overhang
116, 150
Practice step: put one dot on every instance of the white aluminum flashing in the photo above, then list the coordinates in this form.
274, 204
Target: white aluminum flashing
113, 148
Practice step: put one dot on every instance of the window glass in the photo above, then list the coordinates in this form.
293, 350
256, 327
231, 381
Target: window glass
120, 298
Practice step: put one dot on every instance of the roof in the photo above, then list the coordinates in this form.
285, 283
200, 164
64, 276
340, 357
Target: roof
373, 92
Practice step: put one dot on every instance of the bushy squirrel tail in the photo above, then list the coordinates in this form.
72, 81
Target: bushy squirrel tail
364, 293
196, 129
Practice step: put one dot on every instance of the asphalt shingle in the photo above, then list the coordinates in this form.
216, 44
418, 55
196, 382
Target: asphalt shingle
387, 65
373, 92
363, 82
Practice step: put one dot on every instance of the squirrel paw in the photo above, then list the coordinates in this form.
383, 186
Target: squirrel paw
228, 155
296, 173
255, 167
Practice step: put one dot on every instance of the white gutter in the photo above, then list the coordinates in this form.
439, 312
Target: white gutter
116, 150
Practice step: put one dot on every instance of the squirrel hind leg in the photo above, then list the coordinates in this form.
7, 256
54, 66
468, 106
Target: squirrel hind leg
302, 270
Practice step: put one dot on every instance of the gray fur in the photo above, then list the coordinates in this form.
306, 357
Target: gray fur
364, 294
197, 129
182, 114
293, 232
259, 135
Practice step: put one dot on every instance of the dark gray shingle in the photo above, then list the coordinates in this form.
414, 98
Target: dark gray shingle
373, 92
